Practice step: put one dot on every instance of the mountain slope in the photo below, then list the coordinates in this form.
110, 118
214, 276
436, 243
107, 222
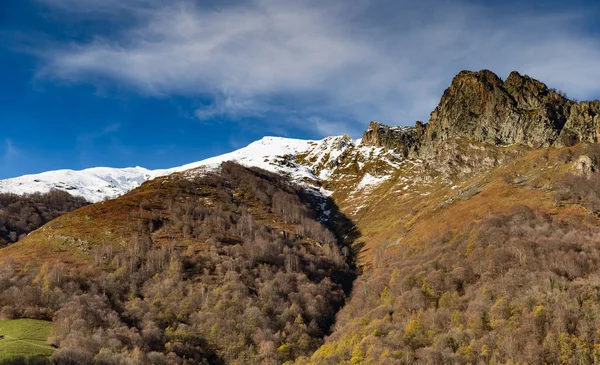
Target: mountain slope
229, 266
94, 184
21, 214
498, 268
273, 154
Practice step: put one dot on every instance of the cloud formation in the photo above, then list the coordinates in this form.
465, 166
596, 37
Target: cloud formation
10, 151
105, 131
321, 64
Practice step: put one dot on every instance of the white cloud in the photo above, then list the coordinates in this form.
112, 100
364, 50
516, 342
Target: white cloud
10, 151
106, 130
329, 127
229, 106
100, 7
320, 61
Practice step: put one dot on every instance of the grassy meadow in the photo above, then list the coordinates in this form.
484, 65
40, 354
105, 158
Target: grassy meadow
24, 338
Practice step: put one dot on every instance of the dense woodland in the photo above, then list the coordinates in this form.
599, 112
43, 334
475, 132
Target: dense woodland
249, 275
21, 214
514, 288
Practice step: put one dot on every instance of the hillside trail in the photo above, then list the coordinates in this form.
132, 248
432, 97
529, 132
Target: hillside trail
27, 342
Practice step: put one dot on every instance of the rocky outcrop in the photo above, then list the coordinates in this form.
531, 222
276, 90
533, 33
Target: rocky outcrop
404, 140
585, 166
479, 106
583, 124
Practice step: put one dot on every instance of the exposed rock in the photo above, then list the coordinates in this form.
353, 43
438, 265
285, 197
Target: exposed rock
479, 106
583, 124
404, 140
463, 159
584, 166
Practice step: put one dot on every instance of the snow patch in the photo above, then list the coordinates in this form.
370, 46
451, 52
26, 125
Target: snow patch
274, 154
369, 181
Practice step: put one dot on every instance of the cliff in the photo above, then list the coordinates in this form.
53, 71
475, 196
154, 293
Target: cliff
481, 107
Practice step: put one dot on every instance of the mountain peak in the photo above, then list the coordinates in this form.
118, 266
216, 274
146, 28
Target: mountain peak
515, 78
485, 77
480, 106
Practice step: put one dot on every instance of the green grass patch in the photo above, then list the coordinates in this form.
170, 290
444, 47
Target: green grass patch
24, 338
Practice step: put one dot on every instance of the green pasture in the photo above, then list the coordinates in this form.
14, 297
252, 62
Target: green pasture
24, 338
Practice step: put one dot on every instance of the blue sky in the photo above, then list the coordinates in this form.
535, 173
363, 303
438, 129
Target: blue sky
161, 83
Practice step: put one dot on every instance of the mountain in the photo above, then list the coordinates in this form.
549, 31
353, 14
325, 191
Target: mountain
101, 183
478, 107
94, 184
481, 107
471, 238
308, 162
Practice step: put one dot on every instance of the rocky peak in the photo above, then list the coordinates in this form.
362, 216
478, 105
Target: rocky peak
516, 81
479, 106
404, 140
484, 77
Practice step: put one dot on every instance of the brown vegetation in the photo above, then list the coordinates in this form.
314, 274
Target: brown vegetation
225, 268
499, 267
21, 214
519, 287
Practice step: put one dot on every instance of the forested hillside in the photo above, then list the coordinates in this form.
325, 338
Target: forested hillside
233, 267
21, 214
519, 287
507, 274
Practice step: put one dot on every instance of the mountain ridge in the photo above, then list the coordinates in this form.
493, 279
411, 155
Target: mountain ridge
481, 107
476, 107
275, 154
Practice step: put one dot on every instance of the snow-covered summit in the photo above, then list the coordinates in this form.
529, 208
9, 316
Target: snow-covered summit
264, 153
94, 184
274, 154
308, 162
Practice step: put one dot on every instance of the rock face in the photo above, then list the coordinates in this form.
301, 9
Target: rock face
585, 166
583, 124
404, 140
480, 107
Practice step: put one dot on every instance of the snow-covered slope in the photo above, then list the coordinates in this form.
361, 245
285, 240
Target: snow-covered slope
303, 161
93, 184
268, 153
